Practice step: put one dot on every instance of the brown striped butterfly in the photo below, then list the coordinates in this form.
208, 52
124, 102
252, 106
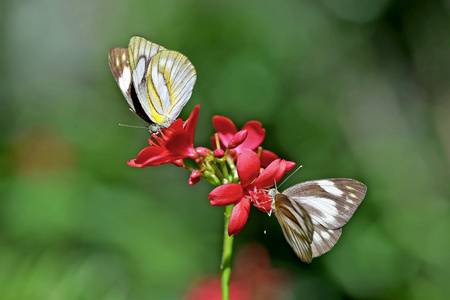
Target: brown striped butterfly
156, 82
312, 213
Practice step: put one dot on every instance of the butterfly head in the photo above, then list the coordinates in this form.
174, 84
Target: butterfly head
273, 192
154, 128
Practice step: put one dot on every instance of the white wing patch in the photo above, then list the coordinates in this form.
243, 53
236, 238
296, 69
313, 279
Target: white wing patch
125, 81
330, 187
325, 210
139, 71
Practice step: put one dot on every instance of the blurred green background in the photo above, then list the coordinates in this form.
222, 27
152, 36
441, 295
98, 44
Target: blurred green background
348, 88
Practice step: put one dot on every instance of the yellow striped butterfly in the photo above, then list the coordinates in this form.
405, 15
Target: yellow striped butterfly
312, 213
156, 82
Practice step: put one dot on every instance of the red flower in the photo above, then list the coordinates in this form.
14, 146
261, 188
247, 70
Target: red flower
209, 289
251, 189
253, 278
227, 130
174, 143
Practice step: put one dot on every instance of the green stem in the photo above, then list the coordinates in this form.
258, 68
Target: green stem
225, 172
226, 255
213, 167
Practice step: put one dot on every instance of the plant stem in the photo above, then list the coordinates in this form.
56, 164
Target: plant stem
226, 255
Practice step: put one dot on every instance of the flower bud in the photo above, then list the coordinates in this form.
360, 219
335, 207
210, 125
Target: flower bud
237, 139
202, 151
178, 162
219, 153
195, 177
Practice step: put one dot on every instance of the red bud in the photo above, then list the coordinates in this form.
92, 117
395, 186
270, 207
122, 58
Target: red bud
195, 177
237, 139
219, 153
202, 151
178, 162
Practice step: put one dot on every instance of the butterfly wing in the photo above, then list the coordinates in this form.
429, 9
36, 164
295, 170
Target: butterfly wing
157, 83
297, 226
120, 67
140, 52
119, 64
330, 203
169, 86
324, 239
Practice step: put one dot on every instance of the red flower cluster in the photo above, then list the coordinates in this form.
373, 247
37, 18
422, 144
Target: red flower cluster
253, 188
246, 170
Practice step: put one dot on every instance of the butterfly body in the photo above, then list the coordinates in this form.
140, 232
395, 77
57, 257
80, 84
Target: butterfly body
312, 213
156, 82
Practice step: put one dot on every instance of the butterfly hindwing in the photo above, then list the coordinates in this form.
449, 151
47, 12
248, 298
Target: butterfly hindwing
172, 78
324, 239
296, 225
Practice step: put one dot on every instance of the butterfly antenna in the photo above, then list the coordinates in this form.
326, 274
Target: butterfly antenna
290, 175
132, 126
139, 118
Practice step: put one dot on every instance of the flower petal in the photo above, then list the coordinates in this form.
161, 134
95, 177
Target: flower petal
132, 163
226, 194
239, 216
175, 126
289, 165
247, 166
266, 178
191, 123
281, 170
164, 158
225, 128
267, 157
180, 144
152, 156
149, 153
255, 136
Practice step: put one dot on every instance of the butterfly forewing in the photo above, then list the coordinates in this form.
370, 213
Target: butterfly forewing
120, 67
329, 202
119, 64
297, 226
